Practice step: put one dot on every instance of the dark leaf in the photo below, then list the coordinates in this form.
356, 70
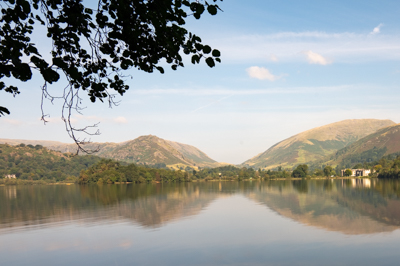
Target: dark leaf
210, 62
3, 111
206, 49
160, 69
212, 10
216, 53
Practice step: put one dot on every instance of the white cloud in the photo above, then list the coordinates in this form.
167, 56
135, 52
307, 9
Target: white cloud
120, 120
314, 58
376, 30
261, 73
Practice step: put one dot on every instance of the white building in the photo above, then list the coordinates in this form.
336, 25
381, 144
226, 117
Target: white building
358, 172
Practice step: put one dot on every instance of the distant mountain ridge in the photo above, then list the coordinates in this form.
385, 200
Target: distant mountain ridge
316, 143
143, 150
384, 142
311, 146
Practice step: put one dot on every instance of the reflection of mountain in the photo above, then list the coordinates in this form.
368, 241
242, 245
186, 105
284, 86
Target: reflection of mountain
148, 205
163, 204
344, 206
332, 206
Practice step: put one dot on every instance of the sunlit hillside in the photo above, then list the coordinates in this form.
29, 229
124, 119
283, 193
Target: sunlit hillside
316, 143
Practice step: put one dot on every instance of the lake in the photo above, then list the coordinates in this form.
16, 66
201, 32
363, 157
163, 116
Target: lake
293, 222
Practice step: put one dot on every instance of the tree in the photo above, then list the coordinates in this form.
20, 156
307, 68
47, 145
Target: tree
328, 170
318, 172
377, 167
348, 172
300, 171
91, 45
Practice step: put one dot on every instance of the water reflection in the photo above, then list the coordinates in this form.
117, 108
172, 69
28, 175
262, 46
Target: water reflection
345, 206
351, 206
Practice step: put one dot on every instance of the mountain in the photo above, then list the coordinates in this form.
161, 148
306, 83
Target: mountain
64, 147
370, 148
316, 143
143, 150
154, 150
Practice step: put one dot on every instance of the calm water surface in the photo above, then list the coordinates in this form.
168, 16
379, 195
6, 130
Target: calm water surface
319, 222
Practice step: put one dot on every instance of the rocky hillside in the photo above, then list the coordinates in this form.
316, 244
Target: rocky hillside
142, 150
370, 148
317, 143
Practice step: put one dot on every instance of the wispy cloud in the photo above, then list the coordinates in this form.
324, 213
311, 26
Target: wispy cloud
342, 47
13, 122
376, 30
261, 73
212, 103
314, 58
273, 58
88, 118
223, 91
120, 120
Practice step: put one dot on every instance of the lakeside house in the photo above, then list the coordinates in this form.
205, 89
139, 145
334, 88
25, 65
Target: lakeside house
357, 172
10, 176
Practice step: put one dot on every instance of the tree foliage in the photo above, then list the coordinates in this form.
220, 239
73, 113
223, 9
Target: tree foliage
30, 162
109, 171
92, 44
348, 172
300, 171
328, 171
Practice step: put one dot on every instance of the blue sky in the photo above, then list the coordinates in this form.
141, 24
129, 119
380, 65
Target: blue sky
287, 66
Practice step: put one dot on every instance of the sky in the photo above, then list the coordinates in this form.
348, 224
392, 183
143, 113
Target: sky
287, 66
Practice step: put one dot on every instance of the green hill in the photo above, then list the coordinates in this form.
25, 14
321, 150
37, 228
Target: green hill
368, 149
153, 150
142, 150
38, 163
315, 144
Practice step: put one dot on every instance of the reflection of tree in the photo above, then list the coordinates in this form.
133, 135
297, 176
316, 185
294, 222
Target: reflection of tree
327, 185
321, 203
147, 204
333, 205
301, 186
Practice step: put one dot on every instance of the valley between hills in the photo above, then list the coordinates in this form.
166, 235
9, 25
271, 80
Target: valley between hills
343, 143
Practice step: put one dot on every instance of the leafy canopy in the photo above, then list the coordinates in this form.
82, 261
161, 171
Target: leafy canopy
300, 171
91, 45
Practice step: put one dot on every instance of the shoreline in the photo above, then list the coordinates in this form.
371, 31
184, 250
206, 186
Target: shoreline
15, 182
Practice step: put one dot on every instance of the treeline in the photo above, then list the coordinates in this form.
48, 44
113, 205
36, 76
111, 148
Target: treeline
231, 172
28, 162
381, 167
110, 171
387, 167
